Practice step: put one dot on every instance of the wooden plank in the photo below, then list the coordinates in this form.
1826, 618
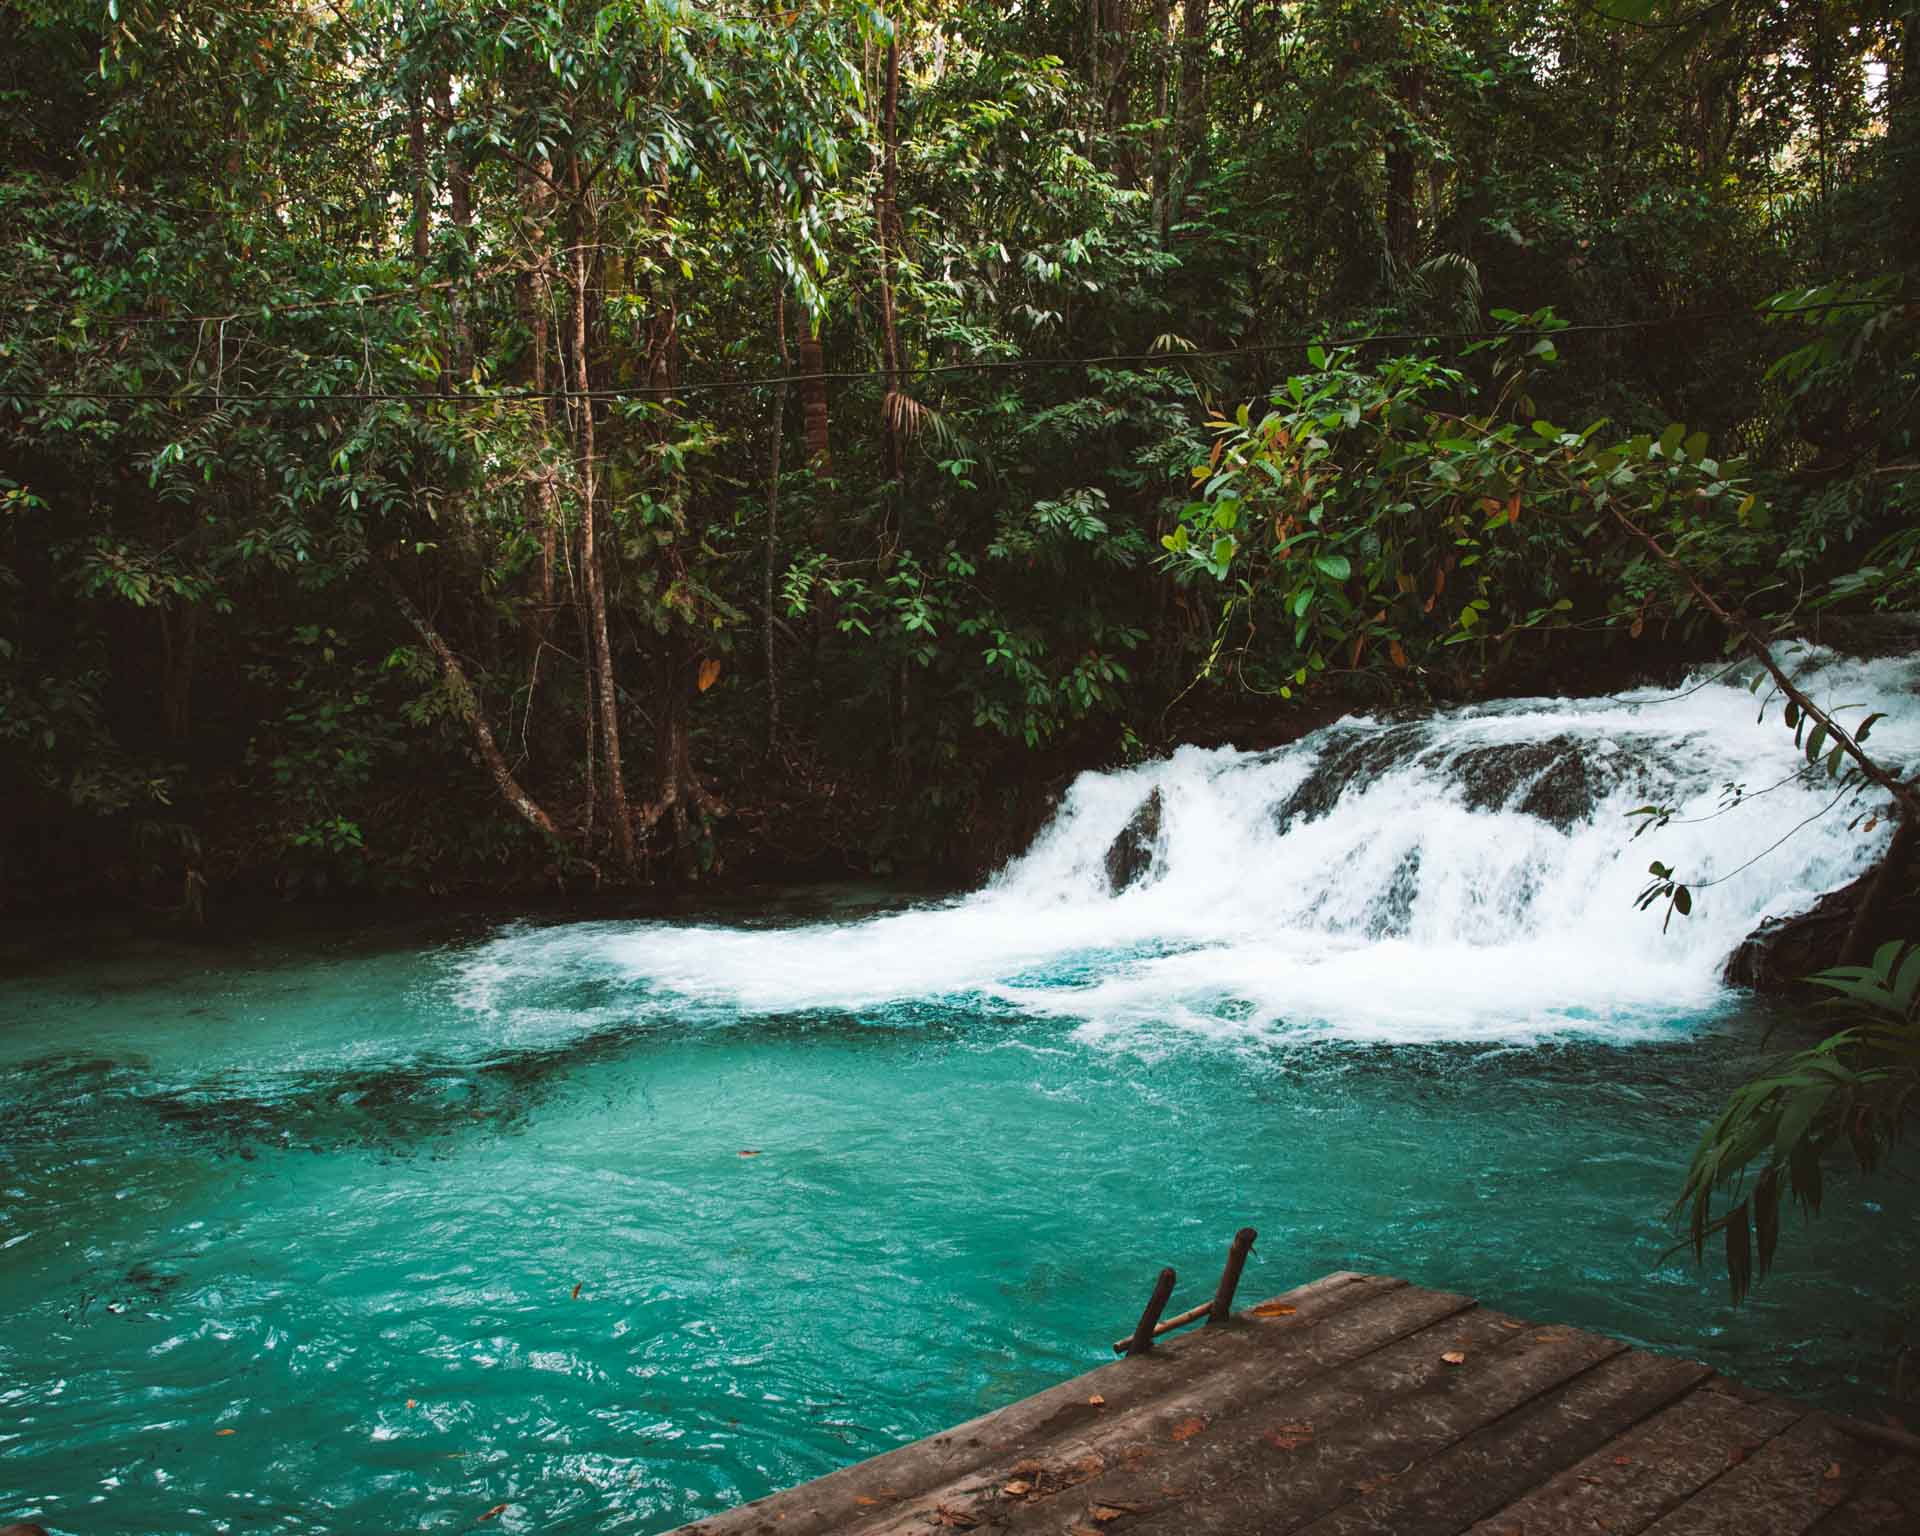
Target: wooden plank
1380, 1418
1497, 1464
1884, 1504
1781, 1489
1275, 1464
1335, 1349
1655, 1467
827, 1503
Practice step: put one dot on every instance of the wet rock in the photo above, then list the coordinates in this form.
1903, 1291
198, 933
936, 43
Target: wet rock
1353, 760
1393, 914
1132, 855
1553, 780
1783, 951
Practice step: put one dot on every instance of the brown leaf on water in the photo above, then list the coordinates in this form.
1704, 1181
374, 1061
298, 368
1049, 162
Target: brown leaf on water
411, 1403
1455, 1357
1186, 1429
223, 1432
495, 1513
1273, 1309
576, 1288
749, 1151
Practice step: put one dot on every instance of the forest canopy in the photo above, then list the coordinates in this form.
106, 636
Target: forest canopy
456, 444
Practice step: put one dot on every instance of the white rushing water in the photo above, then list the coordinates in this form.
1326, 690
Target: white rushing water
1463, 876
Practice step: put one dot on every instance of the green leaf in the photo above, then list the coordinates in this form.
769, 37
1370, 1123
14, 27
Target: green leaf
1334, 567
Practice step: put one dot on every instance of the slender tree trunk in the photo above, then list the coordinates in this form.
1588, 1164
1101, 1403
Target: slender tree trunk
467, 703
422, 188
590, 560
1402, 218
1193, 80
176, 685
773, 523
813, 396
885, 221
460, 213
1162, 68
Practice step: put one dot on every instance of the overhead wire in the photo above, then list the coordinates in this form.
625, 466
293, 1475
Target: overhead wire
1162, 358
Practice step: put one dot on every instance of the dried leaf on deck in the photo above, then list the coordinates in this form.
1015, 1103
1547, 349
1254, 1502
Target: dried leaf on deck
1186, 1429
1274, 1309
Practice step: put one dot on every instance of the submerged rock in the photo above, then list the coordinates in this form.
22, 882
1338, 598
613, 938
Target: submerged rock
1132, 854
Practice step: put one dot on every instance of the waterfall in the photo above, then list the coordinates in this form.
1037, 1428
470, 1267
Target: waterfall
1468, 874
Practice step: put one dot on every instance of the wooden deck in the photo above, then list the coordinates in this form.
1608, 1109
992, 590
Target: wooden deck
1363, 1404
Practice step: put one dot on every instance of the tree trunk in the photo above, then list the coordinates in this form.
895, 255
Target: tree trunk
176, 686
422, 188
467, 703
1193, 80
1162, 68
590, 563
885, 220
1402, 219
813, 400
773, 523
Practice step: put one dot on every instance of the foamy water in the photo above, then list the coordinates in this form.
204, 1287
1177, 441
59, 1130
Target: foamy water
1466, 876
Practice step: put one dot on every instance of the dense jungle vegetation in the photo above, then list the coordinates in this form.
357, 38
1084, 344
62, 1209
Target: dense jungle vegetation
454, 444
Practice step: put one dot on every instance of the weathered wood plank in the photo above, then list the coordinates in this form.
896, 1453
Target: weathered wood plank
1379, 1419
1883, 1504
1359, 1406
1279, 1463
1497, 1464
1652, 1469
1335, 1349
1780, 1489
827, 1503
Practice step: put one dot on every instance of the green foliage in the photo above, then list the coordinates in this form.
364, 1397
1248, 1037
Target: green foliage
1844, 1102
279, 284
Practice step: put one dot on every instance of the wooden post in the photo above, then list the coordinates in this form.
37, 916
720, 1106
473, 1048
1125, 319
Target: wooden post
1142, 1340
1192, 1315
1222, 1307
